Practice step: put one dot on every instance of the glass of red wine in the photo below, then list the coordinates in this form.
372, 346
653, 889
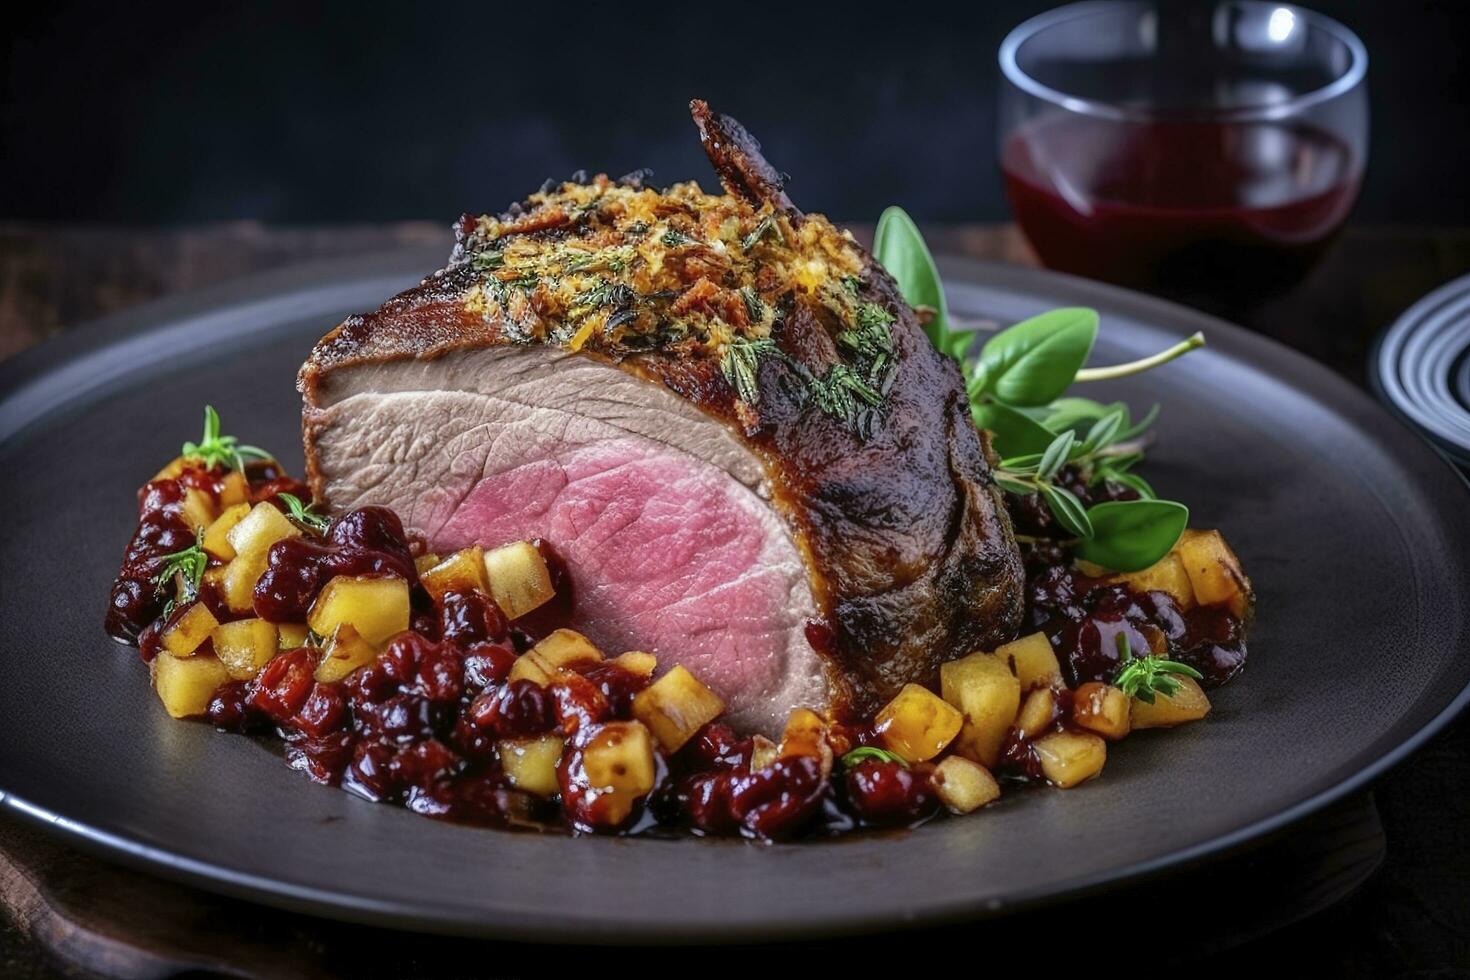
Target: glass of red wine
1205, 151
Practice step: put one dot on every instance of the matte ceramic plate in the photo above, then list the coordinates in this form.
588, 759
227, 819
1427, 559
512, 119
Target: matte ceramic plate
1354, 532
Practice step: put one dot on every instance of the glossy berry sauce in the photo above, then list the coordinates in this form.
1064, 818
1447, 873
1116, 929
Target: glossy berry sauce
418, 725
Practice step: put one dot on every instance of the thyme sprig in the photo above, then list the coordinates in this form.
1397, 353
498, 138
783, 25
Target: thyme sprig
214, 449
189, 565
866, 753
1146, 677
303, 513
871, 341
740, 362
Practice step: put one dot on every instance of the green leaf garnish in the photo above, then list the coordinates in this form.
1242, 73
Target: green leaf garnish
1131, 535
1145, 677
866, 753
214, 449
189, 564
899, 247
304, 514
739, 364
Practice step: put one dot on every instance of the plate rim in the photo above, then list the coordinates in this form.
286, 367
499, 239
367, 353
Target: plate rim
1261, 352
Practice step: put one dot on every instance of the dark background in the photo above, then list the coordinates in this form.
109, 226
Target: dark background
371, 111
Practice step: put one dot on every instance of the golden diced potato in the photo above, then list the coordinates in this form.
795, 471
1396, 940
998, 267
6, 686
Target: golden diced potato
637, 662
1214, 571
214, 577
198, 509
1032, 660
245, 646
345, 652
425, 562
376, 606
530, 763
519, 578
293, 635
175, 467
260, 529
544, 661
805, 735
1101, 708
1037, 713
1189, 703
917, 724
234, 489
217, 535
763, 753
460, 572
676, 706
618, 760
187, 686
1069, 758
964, 786
188, 629
985, 691
1168, 574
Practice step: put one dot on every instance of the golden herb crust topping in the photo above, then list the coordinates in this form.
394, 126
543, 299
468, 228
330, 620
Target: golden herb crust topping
618, 267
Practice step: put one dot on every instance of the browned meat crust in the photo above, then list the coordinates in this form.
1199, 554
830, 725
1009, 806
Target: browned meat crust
910, 552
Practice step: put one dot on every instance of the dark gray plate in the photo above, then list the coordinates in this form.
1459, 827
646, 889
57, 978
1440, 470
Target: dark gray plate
1355, 533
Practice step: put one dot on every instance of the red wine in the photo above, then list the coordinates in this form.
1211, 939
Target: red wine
1185, 208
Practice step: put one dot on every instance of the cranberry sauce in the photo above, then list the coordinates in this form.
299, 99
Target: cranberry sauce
440, 719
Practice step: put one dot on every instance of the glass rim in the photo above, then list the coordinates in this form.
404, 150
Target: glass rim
1356, 70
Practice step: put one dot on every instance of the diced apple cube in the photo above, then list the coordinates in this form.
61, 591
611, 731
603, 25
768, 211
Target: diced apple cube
805, 734
1214, 571
187, 629
544, 661
172, 470
217, 535
1188, 703
675, 707
1033, 661
425, 562
618, 761
519, 578
345, 652
293, 635
985, 691
460, 572
259, 529
637, 662
1069, 758
1101, 708
1168, 574
1038, 712
917, 724
237, 582
187, 686
530, 763
198, 509
245, 646
763, 753
964, 786
233, 489
376, 606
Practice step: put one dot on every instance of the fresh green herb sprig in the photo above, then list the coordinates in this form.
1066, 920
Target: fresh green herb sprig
867, 753
1017, 389
1145, 678
739, 364
214, 449
303, 513
766, 226
189, 564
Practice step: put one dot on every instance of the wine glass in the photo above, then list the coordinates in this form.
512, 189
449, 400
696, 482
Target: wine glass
1209, 152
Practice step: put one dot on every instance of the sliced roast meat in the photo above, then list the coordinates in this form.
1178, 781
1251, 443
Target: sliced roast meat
717, 409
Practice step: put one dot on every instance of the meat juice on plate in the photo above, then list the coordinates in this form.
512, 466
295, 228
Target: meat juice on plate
1182, 207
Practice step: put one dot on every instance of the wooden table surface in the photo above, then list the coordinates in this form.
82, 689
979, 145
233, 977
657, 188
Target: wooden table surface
1412, 917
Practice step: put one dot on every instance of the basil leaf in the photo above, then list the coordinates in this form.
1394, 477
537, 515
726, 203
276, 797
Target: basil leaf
1131, 535
1034, 362
1067, 509
899, 248
1012, 433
